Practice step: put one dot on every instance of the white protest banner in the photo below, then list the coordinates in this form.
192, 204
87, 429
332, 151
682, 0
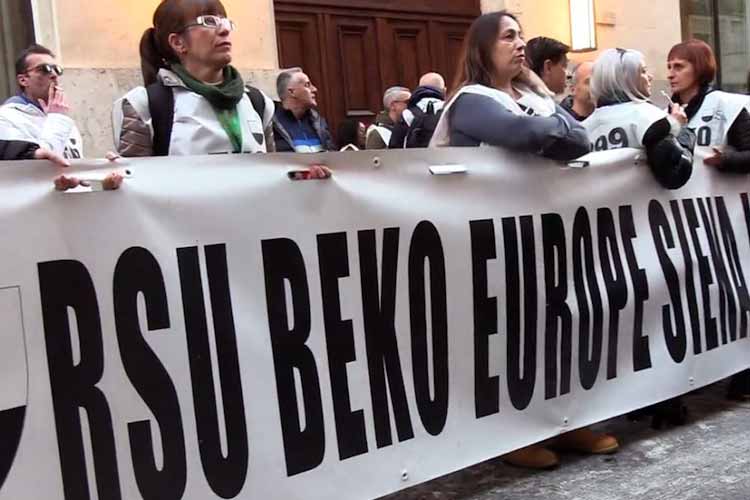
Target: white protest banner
215, 330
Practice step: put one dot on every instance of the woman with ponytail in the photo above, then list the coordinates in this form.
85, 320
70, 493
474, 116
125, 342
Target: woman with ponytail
193, 101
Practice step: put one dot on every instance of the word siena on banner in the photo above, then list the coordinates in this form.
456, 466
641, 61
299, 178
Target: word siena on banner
67, 285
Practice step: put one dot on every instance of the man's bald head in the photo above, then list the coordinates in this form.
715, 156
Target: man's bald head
583, 103
434, 80
582, 71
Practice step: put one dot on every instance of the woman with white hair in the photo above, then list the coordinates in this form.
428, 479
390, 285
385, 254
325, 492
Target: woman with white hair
621, 87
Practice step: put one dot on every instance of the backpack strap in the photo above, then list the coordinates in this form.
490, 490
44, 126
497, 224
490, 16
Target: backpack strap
258, 101
414, 112
161, 105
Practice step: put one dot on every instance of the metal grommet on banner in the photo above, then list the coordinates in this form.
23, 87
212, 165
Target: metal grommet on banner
691, 380
376, 162
565, 421
404, 475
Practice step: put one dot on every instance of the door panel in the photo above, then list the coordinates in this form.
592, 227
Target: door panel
356, 92
300, 45
411, 51
469, 8
449, 41
16, 33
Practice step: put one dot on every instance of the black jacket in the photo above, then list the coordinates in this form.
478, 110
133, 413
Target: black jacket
401, 129
567, 105
17, 150
670, 157
738, 135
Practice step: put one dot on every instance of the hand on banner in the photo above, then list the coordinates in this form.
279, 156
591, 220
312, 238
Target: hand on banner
318, 171
46, 154
112, 181
715, 159
314, 171
109, 183
63, 183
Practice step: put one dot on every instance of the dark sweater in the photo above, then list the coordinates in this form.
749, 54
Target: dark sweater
476, 119
567, 105
670, 157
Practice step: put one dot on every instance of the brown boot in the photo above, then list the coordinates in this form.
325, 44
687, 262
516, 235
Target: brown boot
586, 441
532, 457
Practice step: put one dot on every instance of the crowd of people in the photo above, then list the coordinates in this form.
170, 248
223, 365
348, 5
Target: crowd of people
193, 101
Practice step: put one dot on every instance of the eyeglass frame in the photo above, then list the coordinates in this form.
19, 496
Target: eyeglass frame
47, 69
200, 21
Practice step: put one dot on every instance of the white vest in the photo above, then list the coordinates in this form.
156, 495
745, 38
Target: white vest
384, 133
530, 104
196, 129
54, 131
621, 125
716, 115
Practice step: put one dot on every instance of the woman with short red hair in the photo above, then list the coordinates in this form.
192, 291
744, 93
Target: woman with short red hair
720, 119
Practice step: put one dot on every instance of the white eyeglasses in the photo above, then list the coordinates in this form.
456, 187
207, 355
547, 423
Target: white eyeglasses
214, 22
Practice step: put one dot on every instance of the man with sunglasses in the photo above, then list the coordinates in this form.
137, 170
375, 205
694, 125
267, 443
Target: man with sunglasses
39, 112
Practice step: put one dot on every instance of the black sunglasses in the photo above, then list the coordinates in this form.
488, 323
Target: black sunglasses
47, 69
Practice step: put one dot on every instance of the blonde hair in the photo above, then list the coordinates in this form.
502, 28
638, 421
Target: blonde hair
616, 76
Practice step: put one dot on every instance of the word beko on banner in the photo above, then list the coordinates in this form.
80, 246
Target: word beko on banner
568, 275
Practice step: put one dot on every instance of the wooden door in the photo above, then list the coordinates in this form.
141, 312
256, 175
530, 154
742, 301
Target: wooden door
16, 33
406, 51
355, 80
354, 49
300, 43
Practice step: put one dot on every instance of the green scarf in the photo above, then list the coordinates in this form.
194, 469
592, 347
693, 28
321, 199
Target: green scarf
223, 98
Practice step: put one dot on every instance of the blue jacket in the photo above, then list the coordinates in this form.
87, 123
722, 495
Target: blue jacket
307, 135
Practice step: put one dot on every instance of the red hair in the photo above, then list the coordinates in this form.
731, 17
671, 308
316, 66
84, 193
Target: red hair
700, 55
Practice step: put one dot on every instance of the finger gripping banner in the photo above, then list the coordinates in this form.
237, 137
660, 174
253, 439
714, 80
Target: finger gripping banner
214, 329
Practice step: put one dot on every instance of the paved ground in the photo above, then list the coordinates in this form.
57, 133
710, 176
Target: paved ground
707, 459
